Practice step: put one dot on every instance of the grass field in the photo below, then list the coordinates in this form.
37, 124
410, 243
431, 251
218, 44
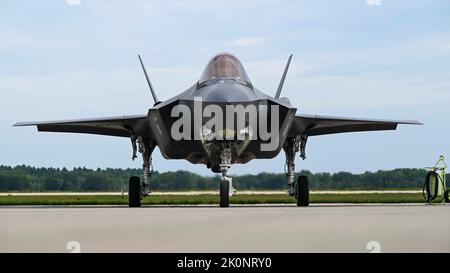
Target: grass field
211, 199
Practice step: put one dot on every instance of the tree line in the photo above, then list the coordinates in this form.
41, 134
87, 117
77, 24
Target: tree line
31, 179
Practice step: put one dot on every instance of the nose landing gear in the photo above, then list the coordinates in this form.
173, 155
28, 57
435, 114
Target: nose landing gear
226, 183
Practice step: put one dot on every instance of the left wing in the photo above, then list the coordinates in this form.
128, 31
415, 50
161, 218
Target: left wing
314, 125
122, 126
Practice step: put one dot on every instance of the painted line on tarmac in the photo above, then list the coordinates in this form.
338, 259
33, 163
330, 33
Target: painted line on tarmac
201, 192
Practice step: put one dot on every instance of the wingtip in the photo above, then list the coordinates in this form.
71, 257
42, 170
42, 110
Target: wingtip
20, 124
412, 122
416, 122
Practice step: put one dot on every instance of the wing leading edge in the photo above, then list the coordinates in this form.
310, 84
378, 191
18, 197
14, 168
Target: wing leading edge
314, 125
121, 126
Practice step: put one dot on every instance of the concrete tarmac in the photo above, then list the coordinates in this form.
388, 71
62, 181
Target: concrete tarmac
276, 228
202, 192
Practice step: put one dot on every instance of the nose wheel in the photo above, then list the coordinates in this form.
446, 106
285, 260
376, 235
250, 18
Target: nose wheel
224, 193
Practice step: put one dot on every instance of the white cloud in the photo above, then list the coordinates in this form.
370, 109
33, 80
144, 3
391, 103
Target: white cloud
444, 47
247, 40
73, 2
266, 74
373, 2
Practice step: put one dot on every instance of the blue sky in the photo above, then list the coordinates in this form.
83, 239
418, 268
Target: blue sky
390, 59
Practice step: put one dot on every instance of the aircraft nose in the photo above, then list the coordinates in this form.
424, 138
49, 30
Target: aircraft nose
227, 97
227, 93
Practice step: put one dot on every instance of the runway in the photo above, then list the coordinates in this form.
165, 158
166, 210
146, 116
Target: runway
278, 228
202, 192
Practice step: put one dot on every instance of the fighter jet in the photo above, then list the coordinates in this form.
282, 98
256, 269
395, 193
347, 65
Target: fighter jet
221, 120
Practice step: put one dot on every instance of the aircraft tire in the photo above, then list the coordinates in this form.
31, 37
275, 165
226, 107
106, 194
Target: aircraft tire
134, 192
447, 200
224, 194
302, 191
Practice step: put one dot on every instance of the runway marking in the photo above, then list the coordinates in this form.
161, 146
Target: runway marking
201, 192
243, 206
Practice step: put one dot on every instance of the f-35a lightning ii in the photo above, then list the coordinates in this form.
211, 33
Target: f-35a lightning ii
219, 121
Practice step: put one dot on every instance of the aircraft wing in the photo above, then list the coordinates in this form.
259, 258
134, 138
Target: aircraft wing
121, 126
314, 125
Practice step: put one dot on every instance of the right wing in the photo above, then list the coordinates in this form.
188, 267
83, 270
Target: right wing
122, 126
314, 125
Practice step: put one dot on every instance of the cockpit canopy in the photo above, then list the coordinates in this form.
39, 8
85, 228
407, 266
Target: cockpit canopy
224, 66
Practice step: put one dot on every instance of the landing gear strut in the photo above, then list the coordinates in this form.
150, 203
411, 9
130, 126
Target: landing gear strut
226, 183
136, 190
299, 190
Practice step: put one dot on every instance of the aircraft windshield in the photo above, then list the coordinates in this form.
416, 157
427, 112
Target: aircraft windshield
224, 66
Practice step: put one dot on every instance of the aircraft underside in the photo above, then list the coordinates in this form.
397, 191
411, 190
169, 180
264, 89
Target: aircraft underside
242, 137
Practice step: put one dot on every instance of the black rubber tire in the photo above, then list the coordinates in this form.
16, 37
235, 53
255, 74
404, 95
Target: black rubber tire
447, 200
134, 192
224, 194
302, 191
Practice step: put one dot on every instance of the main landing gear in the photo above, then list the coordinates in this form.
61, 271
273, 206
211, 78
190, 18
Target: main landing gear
137, 190
299, 189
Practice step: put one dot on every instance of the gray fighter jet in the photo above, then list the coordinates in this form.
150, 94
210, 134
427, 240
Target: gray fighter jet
219, 121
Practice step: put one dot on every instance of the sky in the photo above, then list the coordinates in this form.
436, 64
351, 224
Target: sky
67, 59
